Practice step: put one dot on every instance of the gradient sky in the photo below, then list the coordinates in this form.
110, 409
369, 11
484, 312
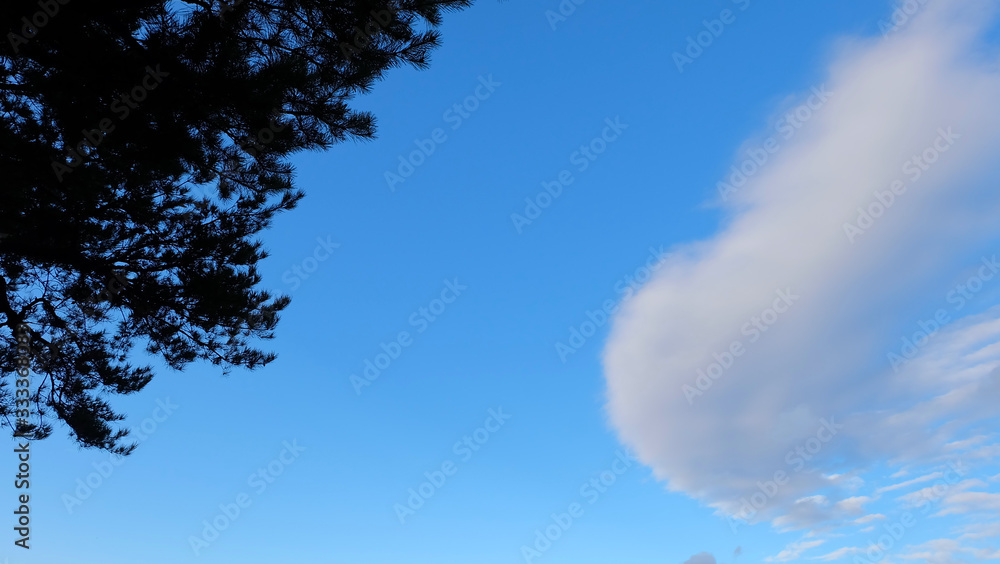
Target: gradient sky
527, 288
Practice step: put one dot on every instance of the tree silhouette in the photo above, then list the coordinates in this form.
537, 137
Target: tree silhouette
116, 115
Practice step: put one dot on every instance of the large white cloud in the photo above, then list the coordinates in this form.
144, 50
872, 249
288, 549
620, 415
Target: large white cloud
817, 307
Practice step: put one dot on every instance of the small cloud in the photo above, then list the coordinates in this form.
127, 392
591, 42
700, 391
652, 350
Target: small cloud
908, 483
838, 554
964, 444
793, 551
701, 558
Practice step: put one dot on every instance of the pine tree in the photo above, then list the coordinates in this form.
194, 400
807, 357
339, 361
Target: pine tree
144, 146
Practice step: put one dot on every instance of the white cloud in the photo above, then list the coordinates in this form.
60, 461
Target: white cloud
793, 551
971, 502
938, 551
908, 483
947, 551
962, 445
838, 554
979, 531
939, 491
869, 518
701, 558
824, 357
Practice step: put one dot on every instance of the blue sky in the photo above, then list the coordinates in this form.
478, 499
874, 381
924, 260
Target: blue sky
486, 299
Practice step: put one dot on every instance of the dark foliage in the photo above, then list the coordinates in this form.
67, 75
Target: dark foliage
114, 246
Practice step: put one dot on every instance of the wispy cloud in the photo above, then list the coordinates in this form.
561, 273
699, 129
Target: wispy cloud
908, 483
837, 554
793, 551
